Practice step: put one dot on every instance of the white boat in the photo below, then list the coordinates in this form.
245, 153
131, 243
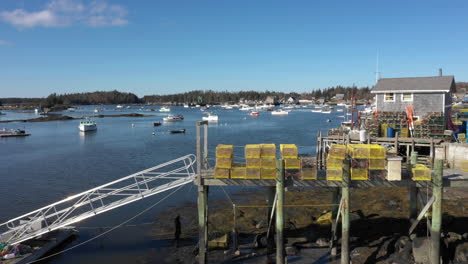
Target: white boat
87, 125
326, 111
172, 118
97, 110
289, 107
316, 110
212, 117
228, 107
164, 109
245, 108
279, 112
339, 109
186, 106
119, 106
37, 111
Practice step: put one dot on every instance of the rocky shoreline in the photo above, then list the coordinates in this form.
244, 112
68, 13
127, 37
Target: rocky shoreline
379, 228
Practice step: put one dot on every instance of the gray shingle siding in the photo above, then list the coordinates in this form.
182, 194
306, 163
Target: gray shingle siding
422, 103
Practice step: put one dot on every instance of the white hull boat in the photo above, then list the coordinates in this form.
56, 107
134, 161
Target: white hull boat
171, 118
164, 109
87, 125
211, 118
279, 112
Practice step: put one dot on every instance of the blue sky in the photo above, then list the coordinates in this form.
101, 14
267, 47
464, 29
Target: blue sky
160, 47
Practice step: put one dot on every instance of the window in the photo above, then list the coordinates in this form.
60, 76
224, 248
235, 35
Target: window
406, 97
389, 97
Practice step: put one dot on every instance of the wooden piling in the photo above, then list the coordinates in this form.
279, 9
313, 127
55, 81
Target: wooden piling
432, 153
413, 202
334, 210
436, 211
202, 223
345, 213
397, 134
205, 145
271, 224
414, 158
279, 214
234, 229
413, 190
198, 134
319, 150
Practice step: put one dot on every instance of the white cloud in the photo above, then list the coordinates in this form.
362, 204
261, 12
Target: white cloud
5, 43
60, 13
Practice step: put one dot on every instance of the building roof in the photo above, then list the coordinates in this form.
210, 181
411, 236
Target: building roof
414, 84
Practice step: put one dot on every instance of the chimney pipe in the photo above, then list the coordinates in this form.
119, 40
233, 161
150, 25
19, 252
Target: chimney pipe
440, 71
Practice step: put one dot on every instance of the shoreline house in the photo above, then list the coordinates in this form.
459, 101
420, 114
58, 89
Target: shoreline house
427, 95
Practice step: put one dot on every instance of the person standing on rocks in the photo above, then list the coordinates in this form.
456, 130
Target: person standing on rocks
177, 227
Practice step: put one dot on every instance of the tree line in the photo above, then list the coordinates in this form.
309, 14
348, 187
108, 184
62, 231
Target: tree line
216, 97
193, 97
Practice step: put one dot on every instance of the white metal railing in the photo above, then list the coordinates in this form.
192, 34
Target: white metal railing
100, 199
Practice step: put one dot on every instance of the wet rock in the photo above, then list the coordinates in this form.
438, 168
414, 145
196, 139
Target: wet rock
260, 224
322, 242
421, 247
308, 245
461, 253
452, 237
296, 240
257, 242
401, 243
361, 254
291, 251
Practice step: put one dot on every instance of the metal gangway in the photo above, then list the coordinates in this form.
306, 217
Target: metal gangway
100, 199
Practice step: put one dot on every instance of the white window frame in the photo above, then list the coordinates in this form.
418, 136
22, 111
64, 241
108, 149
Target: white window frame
403, 98
385, 97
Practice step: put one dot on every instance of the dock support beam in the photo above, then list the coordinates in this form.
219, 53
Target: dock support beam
279, 214
271, 224
436, 211
345, 213
413, 206
202, 223
334, 210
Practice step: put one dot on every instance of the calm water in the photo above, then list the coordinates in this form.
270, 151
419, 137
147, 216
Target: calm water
57, 161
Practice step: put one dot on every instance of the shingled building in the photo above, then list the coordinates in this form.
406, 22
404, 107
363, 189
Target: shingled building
425, 94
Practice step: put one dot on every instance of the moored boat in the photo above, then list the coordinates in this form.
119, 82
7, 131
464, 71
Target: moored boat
173, 118
177, 131
212, 117
156, 123
279, 112
164, 109
87, 125
254, 113
13, 133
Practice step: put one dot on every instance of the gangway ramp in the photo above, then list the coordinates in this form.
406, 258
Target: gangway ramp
100, 199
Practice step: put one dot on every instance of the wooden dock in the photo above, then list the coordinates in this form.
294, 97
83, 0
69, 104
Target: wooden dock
442, 178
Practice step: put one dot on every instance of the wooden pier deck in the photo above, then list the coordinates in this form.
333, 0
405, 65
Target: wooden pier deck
441, 178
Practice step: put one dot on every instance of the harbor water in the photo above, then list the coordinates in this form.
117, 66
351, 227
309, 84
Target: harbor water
57, 161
